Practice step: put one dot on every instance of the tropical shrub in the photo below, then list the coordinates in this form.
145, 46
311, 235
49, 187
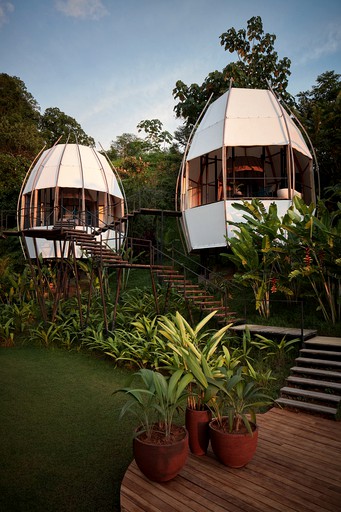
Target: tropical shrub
257, 250
274, 255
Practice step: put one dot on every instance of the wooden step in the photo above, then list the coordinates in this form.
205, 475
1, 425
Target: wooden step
210, 302
325, 342
320, 353
316, 372
325, 384
314, 395
102, 252
80, 235
306, 406
318, 362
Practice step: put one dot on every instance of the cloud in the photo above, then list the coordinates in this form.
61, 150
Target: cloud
82, 9
326, 43
5, 9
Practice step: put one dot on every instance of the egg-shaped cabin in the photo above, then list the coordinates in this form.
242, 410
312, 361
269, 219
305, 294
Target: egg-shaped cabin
70, 186
246, 146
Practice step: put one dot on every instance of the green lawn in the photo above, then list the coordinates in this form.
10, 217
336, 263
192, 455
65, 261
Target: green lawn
62, 447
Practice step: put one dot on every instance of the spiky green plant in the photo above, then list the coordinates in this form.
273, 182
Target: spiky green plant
156, 400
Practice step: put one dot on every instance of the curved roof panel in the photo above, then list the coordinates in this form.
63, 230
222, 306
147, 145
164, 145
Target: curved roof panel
73, 166
246, 117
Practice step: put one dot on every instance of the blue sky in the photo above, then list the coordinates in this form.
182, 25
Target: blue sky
112, 63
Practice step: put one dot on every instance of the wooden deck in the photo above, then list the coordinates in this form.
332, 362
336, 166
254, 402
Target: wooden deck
297, 468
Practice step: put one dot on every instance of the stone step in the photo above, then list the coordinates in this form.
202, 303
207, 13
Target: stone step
313, 395
307, 406
315, 383
318, 362
316, 372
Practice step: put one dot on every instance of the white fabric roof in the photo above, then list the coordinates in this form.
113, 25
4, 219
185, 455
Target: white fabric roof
73, 166
252, 117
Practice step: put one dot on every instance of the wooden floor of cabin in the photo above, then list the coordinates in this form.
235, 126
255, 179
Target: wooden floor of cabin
297, 468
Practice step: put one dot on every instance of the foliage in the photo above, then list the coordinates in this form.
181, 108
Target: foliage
314, 246
7, 333
23, 133
156, 136
20, 140
55, 124
274, 349
149, 179
257, 59
47, 334
196, 351
238, 397
270, 253
257, 62
258, 247
319, 110
126, 145
159, 397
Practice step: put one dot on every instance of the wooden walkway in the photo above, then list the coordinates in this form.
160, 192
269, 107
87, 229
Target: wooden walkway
270, 330
297, 468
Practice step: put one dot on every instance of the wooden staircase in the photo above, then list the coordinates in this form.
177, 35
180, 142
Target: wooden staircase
315, 382
92, 248
196, 294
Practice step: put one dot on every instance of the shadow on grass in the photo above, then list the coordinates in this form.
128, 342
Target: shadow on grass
62, 447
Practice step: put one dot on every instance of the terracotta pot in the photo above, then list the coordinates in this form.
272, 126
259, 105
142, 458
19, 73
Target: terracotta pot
233, 450
161, 462
197, 424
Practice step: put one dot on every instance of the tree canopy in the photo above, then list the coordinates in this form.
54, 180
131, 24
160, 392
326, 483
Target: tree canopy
258, 63
320, 112
20, 139
24, 132
55, 124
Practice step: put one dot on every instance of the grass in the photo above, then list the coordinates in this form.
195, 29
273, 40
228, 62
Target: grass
62, 446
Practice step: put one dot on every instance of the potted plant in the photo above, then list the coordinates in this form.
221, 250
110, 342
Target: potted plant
195, 352
160, 447
234, 431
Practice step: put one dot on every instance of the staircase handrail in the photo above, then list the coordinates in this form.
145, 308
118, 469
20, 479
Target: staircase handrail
206, 270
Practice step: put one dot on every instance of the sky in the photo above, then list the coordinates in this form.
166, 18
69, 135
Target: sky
113, 63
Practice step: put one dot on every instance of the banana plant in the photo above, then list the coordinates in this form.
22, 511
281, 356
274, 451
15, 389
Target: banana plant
257, 246
314, 247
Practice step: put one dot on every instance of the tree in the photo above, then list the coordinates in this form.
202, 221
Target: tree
55, 124
156, 136
127, 145
320, 112
20, 139
257, 62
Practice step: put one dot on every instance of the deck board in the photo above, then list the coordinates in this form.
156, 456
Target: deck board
297, 467
270, 330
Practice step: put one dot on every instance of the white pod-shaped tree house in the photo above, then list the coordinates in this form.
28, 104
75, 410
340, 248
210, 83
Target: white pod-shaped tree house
70, 186
246, 146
